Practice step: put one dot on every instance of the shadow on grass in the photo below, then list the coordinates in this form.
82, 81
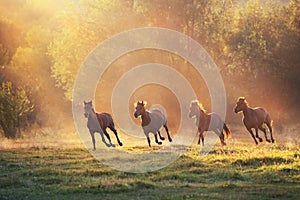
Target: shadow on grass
258, 162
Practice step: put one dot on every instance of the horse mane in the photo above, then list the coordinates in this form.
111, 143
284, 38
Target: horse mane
196, 102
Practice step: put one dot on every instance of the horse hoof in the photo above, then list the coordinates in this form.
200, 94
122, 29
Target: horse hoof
273, 141
268, 140
170, 139
162, 138
160, 143
120, 144
260, 140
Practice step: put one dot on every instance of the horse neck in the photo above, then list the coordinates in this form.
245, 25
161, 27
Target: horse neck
145, 118
201, 117
246, 110
92, 115
203, 114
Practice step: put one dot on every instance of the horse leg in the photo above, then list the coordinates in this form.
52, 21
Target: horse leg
264, 130
108, 137
221, 136
271, 131
167, 130
257, 136
251, 132
148, 139
161, 137
199, 138
93, 139
112, 128
156, 140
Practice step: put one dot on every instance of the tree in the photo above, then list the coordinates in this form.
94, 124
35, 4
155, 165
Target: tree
32, 59
15, 108
82, 28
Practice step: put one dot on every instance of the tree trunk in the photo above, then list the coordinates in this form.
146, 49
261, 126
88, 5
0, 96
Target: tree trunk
9, 131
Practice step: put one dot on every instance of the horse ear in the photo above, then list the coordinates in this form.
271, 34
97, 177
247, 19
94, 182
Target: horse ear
84, 102
195, 102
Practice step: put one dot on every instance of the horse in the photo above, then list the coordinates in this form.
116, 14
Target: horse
208, 122
254, 118
98, 122
152, 121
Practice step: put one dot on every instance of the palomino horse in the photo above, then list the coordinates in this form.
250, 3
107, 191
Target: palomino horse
152, 121
208, 122
254, 118
98, 122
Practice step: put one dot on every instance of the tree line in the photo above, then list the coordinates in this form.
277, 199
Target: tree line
255, 44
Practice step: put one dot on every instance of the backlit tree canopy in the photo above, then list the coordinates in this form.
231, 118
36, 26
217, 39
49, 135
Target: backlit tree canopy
255, 44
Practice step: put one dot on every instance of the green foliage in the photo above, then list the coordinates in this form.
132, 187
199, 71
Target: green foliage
255, 43
84, 26
243, 38
30, 67
4, 57
15, 108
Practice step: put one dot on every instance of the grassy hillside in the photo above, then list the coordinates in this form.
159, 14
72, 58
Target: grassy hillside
239, 171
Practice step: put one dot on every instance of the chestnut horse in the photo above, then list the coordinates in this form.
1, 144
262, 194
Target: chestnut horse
98, 122
152, 121
208, 122
254, 118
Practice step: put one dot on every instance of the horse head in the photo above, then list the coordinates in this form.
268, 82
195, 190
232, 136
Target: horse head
88, 106
194, 108
139, 108
241, 104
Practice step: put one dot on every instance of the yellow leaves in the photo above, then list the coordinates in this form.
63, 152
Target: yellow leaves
38, 38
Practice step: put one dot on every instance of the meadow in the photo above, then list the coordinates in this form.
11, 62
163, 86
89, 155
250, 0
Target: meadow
240, 170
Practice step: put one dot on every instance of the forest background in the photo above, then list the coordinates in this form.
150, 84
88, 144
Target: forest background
254, 43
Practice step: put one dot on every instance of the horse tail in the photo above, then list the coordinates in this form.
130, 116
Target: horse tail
269, 122
227, 130
268, 119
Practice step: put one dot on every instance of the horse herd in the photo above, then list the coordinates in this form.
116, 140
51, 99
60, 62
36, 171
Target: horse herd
153, 120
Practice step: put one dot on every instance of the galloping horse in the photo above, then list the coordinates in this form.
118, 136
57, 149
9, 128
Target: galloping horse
98, 122
208, 122
254, 118
152, 121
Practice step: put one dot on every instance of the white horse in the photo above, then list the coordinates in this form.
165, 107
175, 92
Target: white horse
98, 122
152, 121
208, 122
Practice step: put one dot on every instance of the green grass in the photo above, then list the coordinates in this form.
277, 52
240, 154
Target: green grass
238, 171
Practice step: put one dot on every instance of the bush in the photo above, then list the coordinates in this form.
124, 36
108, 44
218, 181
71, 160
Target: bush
15, 108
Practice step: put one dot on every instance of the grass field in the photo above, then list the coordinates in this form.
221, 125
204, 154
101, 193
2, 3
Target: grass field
240, 170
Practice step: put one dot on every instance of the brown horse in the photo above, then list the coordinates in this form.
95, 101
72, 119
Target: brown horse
254, 118
98, 122
152, 121
208, 122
